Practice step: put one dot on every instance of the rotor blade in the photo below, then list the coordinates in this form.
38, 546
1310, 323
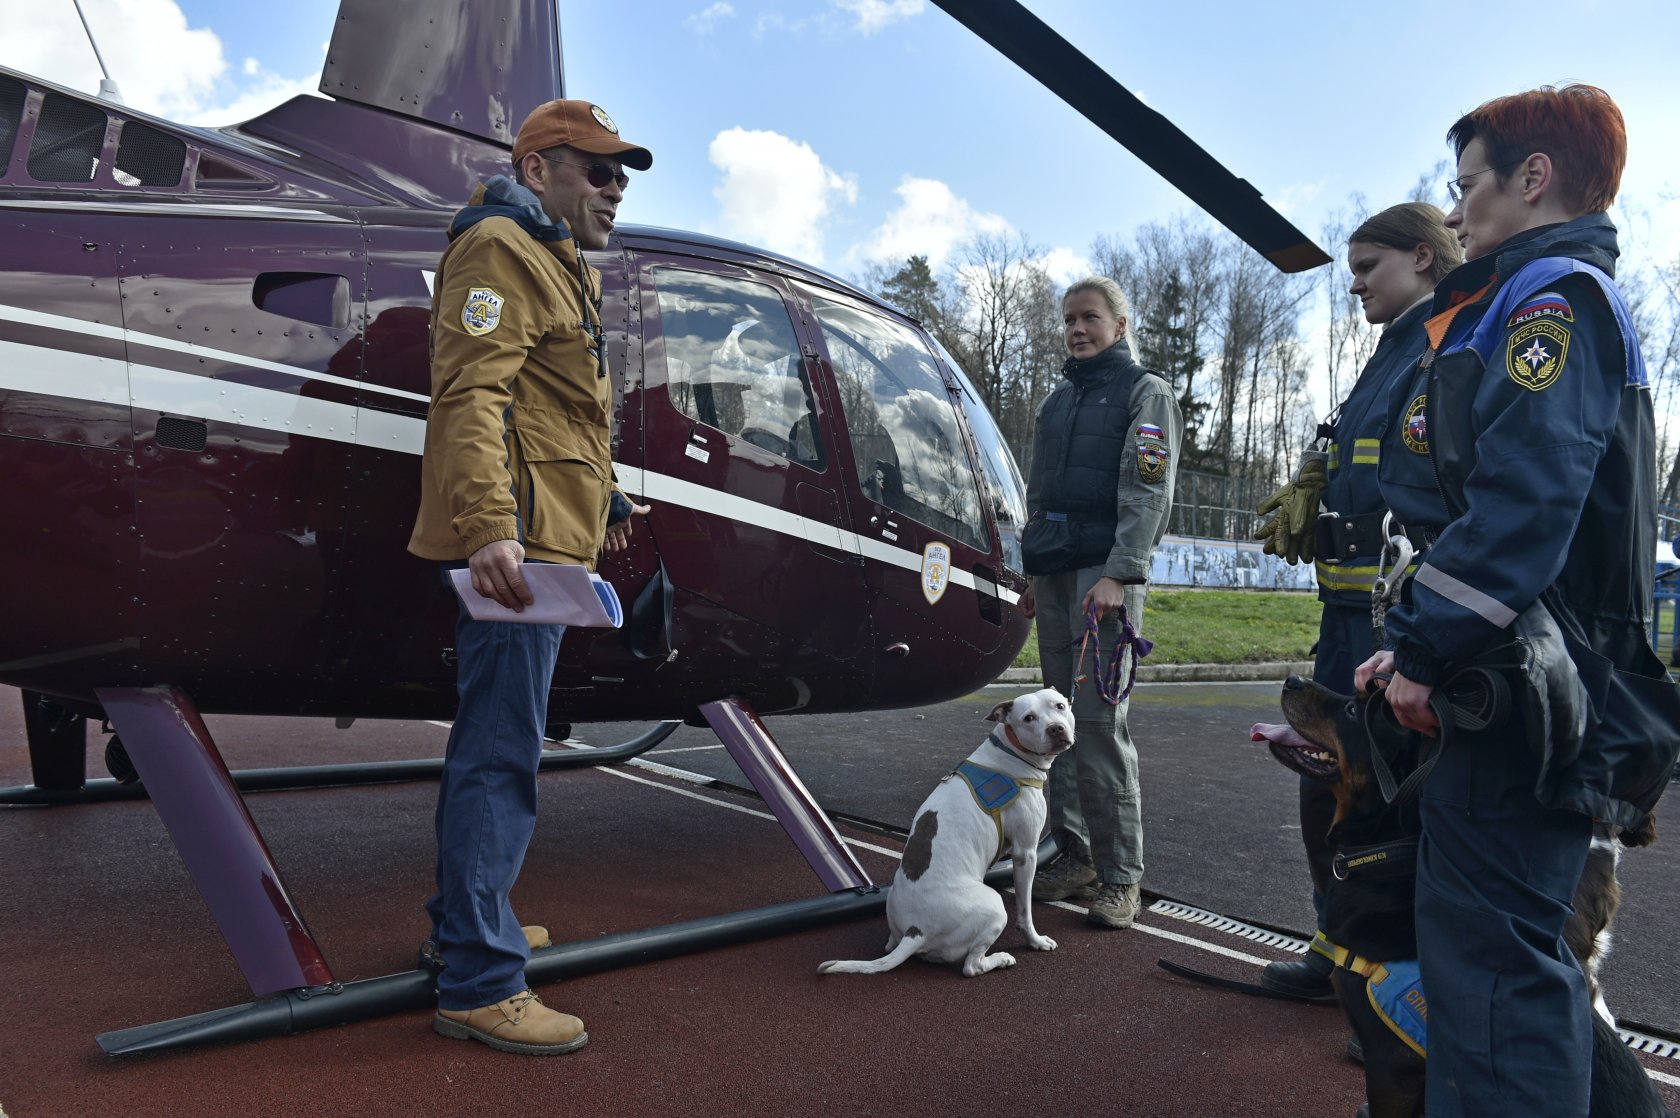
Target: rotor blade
1031, 44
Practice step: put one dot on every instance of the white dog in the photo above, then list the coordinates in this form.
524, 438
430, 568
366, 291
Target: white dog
938, 905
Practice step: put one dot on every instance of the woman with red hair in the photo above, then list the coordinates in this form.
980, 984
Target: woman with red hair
1523, 446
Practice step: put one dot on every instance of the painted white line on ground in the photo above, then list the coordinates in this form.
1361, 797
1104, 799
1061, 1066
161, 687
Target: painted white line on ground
1162, 933
685, 749
1663, 1077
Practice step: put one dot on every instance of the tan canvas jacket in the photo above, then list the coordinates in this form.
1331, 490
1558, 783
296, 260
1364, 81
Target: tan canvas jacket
518, 432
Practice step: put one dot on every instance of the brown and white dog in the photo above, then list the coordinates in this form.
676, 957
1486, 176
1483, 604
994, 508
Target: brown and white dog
1370, 913
939, 906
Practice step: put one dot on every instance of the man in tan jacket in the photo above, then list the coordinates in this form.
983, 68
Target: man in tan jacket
517, 468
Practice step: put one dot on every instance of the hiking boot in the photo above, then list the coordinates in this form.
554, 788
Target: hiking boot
536, 938
1063, 876
1306, 977
521, 1024
1115, 905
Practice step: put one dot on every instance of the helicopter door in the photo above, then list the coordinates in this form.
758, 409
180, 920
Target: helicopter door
739, 445
244, 356
68, 491
911, 480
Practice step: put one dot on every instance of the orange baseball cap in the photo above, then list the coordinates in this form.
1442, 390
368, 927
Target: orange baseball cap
577, 124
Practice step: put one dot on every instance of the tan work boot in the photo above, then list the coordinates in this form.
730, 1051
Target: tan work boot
1115, 905
536, 936
521, 1024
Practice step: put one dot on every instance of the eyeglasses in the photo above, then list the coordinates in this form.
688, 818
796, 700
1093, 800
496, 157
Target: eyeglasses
598, 174
1456, 187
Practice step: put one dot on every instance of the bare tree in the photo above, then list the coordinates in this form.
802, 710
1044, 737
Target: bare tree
1006, 301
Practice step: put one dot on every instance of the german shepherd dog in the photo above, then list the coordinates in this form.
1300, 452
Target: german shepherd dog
1369, 901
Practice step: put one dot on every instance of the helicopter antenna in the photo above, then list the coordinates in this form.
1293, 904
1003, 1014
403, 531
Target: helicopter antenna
107, 88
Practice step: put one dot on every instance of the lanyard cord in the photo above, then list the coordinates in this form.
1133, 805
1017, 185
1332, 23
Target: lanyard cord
592, 323
1108, 678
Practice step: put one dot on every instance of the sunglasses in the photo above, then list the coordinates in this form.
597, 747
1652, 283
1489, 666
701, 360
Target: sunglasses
598, 174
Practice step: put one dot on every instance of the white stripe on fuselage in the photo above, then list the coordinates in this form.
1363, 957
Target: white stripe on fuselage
178, 345
79, 376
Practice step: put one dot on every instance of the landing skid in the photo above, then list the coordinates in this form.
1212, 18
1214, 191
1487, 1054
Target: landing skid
73, 788
200, 804
298, 1011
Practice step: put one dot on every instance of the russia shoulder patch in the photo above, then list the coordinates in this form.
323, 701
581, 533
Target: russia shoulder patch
482, 312
1545, 304
1150, 431
1535, 352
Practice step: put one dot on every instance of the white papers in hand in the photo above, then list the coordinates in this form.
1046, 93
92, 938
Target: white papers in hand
565, 593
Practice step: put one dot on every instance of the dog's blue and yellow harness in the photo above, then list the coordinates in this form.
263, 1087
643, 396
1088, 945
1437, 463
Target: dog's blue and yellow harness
1395, 989
993, 791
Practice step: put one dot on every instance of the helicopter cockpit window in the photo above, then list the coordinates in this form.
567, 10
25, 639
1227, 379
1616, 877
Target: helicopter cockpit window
905, 436
1004, 487
68, 139
147, 157
12, 94
732, 362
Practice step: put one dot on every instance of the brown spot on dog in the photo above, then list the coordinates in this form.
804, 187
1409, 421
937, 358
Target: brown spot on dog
918, 852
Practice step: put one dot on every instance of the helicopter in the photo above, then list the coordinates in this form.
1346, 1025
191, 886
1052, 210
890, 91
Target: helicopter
213, 389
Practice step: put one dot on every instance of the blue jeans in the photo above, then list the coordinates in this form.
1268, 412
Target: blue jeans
487, 806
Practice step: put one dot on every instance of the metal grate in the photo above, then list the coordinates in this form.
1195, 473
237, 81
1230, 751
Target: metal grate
12, 95
1225, 924
147, 157
1650, 1045
182, 434
68, 139
1638, 1041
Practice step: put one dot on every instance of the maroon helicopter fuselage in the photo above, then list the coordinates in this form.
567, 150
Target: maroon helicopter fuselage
213, 385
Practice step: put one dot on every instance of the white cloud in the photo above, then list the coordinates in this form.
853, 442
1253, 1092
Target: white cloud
930, 221
256, 97
705, 22
161, 65
775, 191
1063, 266
1296, 199
872, 15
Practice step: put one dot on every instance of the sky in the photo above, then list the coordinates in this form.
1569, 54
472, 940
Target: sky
848, 133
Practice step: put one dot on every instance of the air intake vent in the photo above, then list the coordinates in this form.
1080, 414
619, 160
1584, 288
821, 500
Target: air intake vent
147, 157
68, 138
182, 434
12, 95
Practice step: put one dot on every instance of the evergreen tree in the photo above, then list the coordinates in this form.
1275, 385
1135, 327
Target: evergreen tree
914, 290
1168, 344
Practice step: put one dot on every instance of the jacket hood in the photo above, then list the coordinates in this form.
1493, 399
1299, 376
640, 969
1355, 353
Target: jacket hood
1111, 360
502, 197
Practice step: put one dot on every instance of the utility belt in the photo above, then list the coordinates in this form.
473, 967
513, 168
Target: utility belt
1342, 539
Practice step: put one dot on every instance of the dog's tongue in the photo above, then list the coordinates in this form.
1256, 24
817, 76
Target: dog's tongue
1281, 733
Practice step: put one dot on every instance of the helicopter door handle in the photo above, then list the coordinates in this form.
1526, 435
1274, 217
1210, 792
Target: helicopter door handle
898, 650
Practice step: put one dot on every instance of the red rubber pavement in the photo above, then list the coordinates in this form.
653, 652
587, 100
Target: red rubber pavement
106, 931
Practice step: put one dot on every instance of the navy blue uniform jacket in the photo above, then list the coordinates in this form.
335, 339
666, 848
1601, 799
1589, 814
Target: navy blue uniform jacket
1540, 382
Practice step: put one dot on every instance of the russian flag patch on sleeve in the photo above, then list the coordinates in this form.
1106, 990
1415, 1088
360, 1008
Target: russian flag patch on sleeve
1545, 304
1150, 431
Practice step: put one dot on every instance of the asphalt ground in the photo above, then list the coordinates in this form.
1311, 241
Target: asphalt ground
105, 931
1221, 829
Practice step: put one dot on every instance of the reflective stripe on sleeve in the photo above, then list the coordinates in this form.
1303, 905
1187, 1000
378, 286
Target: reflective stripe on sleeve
1489, 609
